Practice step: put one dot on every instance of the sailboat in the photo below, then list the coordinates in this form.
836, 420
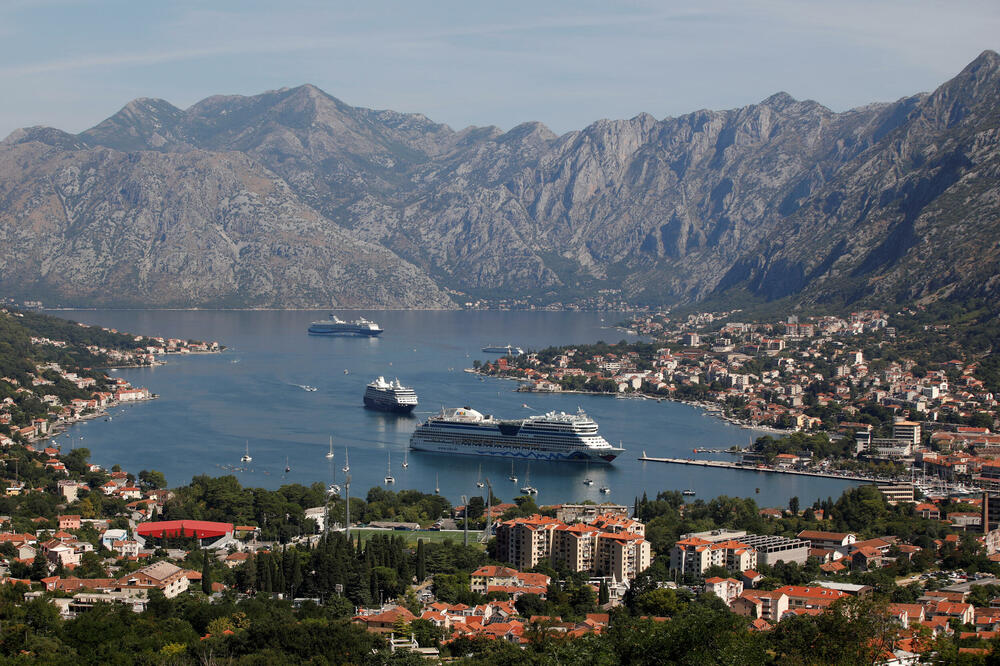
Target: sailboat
512, 477
329, 456
437, 485
587, 481
334, 487
287, 468
605, 489
405, 464
347, 464
528, 489
389, 478
479, 479
246, 456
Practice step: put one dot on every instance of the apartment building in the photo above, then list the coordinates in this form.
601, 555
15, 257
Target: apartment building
608, 546
524, 542
622, 556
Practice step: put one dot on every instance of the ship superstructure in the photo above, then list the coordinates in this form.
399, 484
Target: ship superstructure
336, 326
551, 436
390, 396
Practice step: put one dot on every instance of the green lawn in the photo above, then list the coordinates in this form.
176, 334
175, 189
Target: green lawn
427, 535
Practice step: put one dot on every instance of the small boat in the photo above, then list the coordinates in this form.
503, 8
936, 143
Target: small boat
513, 477
347, 463
606, 490
405, 463
346, 371
246, 456
479, 479
688, 492
306, 387
389, 478
329, 455
287, 467
527, 488
437, 485
587, 481
333, 489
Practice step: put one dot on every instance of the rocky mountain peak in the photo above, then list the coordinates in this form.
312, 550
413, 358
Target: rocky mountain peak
779, 101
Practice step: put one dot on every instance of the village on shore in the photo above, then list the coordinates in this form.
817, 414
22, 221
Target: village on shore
80, 537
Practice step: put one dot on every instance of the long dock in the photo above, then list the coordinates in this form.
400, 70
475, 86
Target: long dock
731, 465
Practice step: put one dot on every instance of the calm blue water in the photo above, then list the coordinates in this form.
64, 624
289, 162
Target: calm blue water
210, 406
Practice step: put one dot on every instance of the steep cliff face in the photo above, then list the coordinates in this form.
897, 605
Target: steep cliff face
102, 227
915, 216
293, 198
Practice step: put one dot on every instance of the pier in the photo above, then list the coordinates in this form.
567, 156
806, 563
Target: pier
747, 468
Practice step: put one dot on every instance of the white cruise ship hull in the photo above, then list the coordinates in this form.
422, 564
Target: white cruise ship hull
516, 451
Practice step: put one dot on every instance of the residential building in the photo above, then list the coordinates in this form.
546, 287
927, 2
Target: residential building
167, 577
839, 541
727, 589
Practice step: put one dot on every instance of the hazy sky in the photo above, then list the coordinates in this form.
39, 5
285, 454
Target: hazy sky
70, 64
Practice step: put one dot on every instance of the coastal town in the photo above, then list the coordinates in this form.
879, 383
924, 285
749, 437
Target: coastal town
409, 575
869, 409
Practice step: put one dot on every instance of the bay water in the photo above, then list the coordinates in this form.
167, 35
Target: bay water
211, 408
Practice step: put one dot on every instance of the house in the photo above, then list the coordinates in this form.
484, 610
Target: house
168, 578
727, 589
768, 605
69, 522
839, 541
385, 621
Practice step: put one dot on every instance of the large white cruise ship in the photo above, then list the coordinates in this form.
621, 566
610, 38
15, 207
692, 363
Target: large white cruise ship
390, 396
552, 436
336, 326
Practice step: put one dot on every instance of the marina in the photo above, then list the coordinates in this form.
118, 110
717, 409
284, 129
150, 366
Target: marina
758, 468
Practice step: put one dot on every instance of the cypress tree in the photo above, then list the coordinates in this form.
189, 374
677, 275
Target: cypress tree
421, 561
603, 594
265, 575
206, 574
295, 579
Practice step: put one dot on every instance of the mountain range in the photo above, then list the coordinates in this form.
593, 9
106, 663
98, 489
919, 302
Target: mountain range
293, 198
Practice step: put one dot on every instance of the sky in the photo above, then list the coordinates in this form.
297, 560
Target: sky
71, 63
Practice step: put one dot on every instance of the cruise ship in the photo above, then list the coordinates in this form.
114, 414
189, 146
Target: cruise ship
390, 396
336, 326
552, 436
508, 350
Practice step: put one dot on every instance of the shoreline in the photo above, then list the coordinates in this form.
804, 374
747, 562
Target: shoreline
710, 408
768, 470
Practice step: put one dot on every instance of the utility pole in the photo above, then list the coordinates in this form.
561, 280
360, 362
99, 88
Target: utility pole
465, 520
347, 523
489, 517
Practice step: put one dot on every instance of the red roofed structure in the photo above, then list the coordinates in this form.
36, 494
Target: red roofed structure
201, 529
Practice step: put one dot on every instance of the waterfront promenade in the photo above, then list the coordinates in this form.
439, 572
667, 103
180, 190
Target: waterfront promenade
754, 468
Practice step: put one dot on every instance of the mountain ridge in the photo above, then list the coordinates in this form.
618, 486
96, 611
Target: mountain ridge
784, 198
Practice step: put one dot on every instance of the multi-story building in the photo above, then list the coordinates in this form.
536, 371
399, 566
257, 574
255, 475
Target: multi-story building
838, 541
524, 542
897, 492
622, 556
608, 546
727, 589
169, 578
570, 513
695, 554
908, 431
575, 546
770, 549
